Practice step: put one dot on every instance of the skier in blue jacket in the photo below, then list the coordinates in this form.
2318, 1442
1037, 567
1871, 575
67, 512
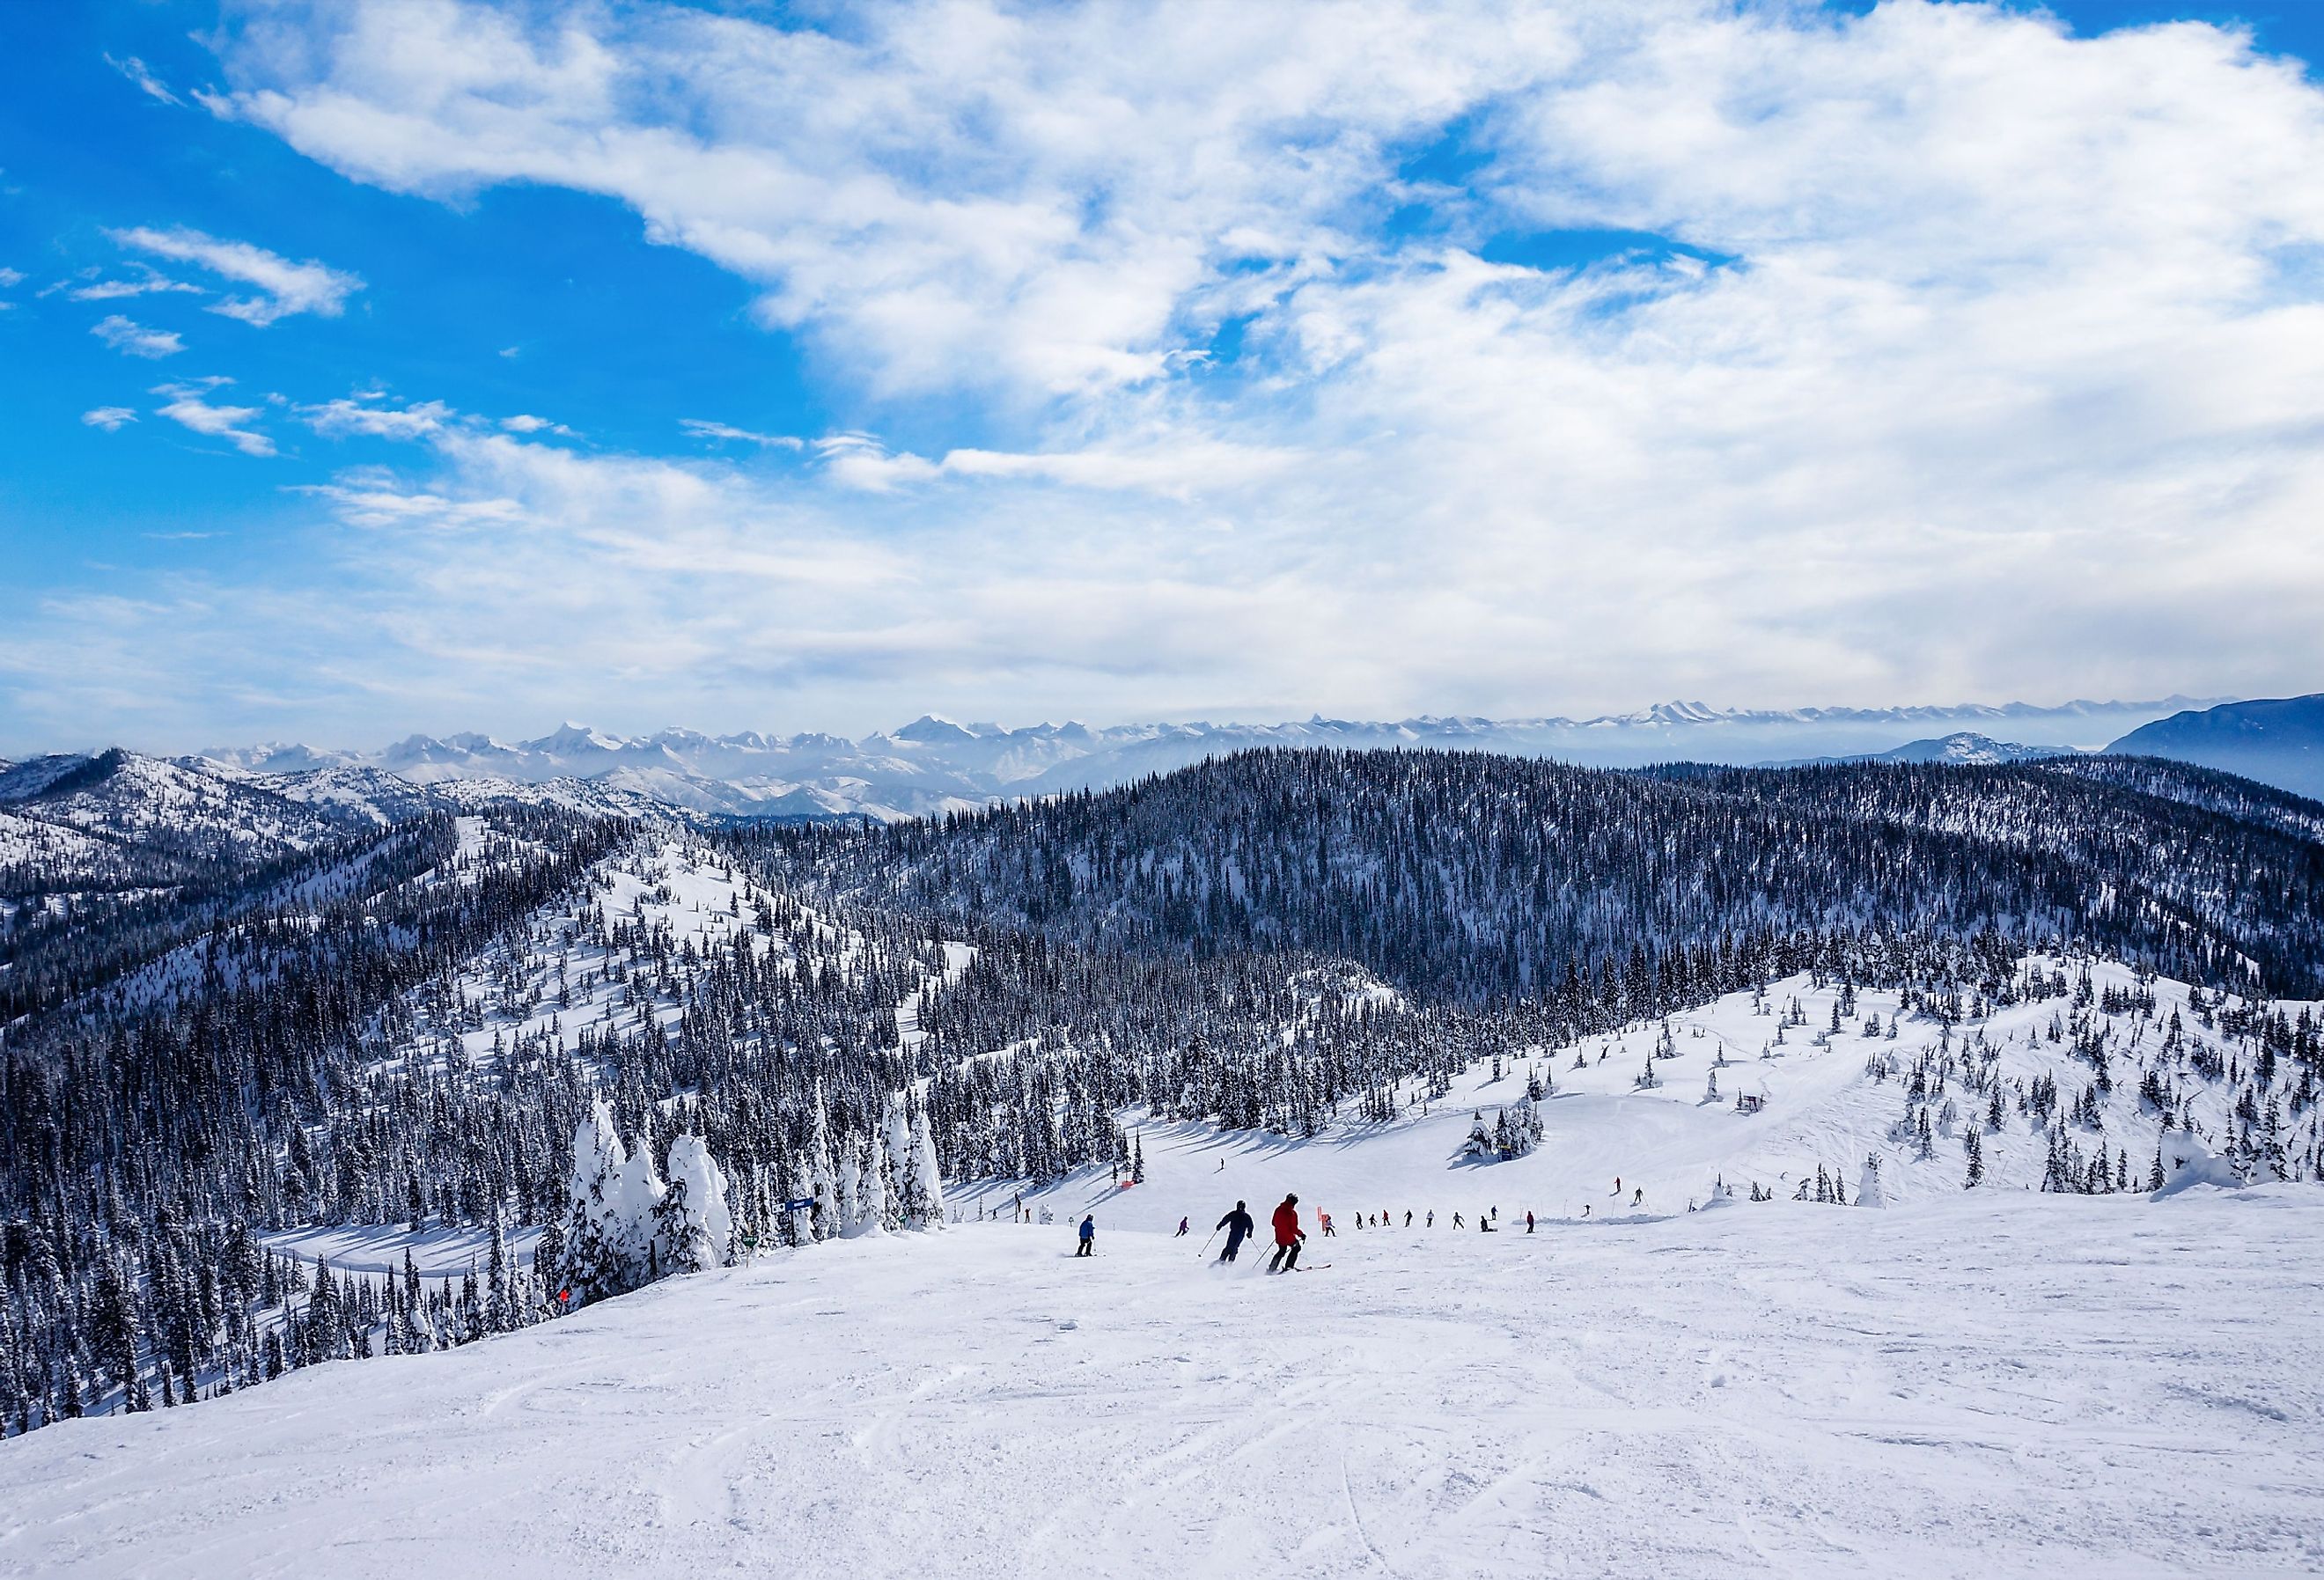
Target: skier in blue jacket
1089, 1234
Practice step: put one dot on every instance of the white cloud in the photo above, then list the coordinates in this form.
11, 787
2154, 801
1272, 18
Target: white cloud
337, 418
137, 72
187, 407
525, 422
149, 282
1975, 358
10, 278
700, 428
132, 338
108, 417
284, 287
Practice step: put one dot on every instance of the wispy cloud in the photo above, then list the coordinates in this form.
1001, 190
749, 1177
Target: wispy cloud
136, 71
189, 408
149, 282
337, 418
700, 428
108, 417
284, 287
132, 338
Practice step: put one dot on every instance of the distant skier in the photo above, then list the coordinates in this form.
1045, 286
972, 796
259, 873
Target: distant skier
1618, 1187
1457, 1224
1432, 1218
1486, 1224
1287, 1236
1238, 1224
1089, 1234
1528, 1223
1408, 1217
1639, 1197
1324, 1218
1183, 1226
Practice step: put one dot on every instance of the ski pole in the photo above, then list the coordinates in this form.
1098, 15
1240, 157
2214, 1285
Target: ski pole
1205, 1251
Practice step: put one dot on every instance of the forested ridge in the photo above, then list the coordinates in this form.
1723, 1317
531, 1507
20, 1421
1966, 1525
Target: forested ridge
1491, 880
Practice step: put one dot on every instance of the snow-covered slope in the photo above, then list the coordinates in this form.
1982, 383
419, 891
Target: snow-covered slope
1989, 1386
559, 976
1824, 1099
1966, 747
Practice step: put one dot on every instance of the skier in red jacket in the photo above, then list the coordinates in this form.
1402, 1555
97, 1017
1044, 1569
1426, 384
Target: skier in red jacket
1287, 1236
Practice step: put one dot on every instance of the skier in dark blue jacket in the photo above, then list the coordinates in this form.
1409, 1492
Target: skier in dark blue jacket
1088, 1236
1238, 1224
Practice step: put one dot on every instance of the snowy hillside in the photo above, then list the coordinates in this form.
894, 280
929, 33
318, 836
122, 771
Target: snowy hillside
605, 962
1965, 747
1979, 1386
1888, 1060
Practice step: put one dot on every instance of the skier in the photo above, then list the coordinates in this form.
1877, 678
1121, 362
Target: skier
1486, 1224
1238, 1225
1639, 1198
1287, 1236
1528, 1223
1181, 1234
1457, 1224
1089, 1234
1325, 1219
1408, 1217
1432, 1218
1618, 1185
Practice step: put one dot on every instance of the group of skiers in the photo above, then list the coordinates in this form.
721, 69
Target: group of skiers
1289, 1236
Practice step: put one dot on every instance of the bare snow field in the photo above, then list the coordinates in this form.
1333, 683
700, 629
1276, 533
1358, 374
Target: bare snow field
1988, 1384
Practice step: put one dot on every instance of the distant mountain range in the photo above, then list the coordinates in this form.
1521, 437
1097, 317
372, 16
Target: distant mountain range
68, 820
2277, 741
935, 764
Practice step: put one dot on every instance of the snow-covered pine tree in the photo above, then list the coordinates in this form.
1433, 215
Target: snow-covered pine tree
500, 1306
895, 1161
872, 1206
592, 1246
847, 1220
832, 1206
694, 1217
928, 1175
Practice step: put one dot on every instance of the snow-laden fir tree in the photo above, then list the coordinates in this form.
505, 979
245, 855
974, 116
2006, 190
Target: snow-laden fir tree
593, 1240
895, 1158
821, 1180
848, 1220
928, 1175
871, 1204
695, 1220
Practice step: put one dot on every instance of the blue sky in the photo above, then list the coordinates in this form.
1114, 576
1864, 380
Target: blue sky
373, 368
